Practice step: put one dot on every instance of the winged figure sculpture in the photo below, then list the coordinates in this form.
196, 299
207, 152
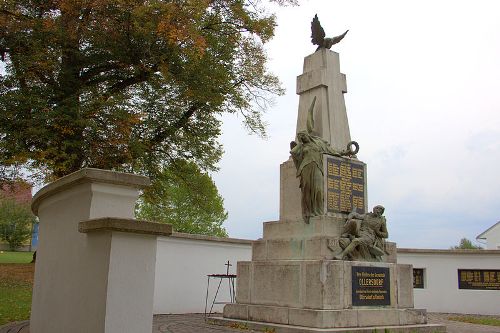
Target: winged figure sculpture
318, 35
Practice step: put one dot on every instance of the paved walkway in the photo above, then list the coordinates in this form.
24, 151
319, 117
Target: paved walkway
459, 327
194, 323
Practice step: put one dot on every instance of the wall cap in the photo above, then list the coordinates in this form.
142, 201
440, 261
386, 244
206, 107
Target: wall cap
125, 225
88, 175
449, 251
211, 238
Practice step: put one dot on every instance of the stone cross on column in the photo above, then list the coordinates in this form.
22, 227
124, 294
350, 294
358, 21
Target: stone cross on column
322, 78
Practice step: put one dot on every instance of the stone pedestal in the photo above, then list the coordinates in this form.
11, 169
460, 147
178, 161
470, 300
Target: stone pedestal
292, 285
314, 284
318, 294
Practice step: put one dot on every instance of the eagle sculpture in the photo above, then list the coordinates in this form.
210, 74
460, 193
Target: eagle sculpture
318, 35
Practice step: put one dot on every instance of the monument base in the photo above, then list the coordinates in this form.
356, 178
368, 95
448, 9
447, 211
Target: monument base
285, 328
324, 284
326, 296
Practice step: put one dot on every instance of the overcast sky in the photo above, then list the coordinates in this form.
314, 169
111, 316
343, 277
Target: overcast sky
423, 102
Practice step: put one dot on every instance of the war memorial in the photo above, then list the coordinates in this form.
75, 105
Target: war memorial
325, 266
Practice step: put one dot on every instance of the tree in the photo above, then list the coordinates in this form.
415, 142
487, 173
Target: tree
189, 202
466, 244
16, 222
126, 84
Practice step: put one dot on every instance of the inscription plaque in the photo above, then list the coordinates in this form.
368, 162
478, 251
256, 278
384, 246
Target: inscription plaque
345, 185
370, 286
482, 279
418, 278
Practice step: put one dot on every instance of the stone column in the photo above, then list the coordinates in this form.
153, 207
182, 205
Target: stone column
321, 79
95, 265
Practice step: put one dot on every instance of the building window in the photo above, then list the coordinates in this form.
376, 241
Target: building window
418, 278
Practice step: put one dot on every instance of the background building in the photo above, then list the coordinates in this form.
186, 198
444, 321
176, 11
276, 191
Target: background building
491, 236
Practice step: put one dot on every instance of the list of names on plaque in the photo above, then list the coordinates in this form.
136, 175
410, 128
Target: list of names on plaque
345, 186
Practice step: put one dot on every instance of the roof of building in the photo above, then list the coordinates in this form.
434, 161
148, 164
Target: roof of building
20, 191
483, 234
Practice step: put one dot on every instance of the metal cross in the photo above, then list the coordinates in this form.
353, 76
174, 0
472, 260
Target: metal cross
228, 265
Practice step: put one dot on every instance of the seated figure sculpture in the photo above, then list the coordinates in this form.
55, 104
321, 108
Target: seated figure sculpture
363, 236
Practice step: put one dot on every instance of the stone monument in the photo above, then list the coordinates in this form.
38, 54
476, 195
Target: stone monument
325, 264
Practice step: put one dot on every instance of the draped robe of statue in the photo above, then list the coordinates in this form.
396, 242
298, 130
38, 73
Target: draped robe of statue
307, 154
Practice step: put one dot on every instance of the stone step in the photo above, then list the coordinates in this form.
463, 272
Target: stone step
346, 318
282, 328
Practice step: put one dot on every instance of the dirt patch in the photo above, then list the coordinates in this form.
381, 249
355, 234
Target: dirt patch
17, 272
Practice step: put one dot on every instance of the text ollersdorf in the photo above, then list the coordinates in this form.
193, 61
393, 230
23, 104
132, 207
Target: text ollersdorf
370, 286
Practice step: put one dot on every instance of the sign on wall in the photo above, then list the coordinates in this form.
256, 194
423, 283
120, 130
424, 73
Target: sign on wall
479, 279
370, 286
345, 185
418, 278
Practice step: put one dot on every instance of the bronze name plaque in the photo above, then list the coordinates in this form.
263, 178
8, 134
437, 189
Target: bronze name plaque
345, 185
370, 286
482, 279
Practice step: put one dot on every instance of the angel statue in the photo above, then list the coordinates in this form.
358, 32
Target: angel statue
318, 35
307, 154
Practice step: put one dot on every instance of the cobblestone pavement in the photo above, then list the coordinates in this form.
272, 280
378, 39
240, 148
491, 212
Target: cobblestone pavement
16, 327
195, 323
188, 323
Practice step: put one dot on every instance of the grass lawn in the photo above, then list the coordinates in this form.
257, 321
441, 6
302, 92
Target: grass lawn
7, 257
16, 301
482, 320
16, 284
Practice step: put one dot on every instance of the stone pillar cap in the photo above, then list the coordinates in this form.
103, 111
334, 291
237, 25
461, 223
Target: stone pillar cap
88, 175
125, 225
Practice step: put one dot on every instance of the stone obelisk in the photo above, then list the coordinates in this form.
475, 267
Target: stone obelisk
321, 78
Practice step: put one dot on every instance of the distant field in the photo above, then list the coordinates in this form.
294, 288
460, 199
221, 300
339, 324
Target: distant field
7, 257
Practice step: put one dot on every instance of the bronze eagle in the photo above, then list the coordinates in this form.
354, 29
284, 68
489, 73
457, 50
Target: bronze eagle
318, 35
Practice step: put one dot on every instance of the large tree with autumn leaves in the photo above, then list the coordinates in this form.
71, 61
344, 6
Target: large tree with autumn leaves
128, 84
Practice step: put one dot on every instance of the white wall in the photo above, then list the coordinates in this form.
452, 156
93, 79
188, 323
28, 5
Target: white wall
184, 261
182, 265
441, 293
